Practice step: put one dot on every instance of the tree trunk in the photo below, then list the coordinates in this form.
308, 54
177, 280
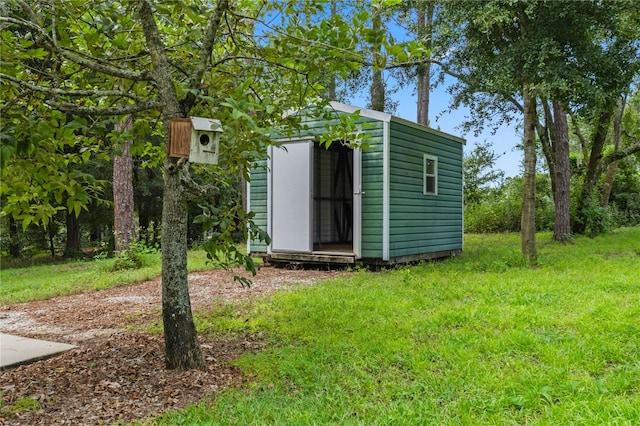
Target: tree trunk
51, 236
143, 221
123, 205
244, 202
617, 144
593, 168
581, 138
377, 91
528, 220
425, 31
547, 137
377, 83
182, 350
14, 238
73, 235
562, 224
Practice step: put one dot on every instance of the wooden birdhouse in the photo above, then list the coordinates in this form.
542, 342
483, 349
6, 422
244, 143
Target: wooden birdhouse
195, 138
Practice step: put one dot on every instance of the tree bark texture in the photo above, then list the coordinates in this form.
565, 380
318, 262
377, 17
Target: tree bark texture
612, 168
377, 91
123, 205
424, 91
14, 238
562, 173
593, 167
528, 219
73, 235
182, 350
425, 31
377, 83
547, 137
51, 235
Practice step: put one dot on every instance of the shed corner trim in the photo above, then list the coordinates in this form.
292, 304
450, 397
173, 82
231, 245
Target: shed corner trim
386, 165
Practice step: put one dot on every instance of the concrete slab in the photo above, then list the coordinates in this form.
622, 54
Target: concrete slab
16, 350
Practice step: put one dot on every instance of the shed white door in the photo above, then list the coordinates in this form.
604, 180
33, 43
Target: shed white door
292, 200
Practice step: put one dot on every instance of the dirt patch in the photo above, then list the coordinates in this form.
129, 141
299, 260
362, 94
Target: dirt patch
116, 374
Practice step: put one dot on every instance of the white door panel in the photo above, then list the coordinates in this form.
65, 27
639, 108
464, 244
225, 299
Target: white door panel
292, 200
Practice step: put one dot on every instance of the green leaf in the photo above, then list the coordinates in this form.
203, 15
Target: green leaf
26, 221
389, 3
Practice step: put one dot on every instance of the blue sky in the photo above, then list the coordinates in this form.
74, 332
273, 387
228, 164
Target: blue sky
504, 140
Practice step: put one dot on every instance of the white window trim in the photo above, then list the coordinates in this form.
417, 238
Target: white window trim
433, 158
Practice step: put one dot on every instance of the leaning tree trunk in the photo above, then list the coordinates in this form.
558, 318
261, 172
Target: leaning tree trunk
546, 135
528, 220
612, 169
593, 168
562, 170
123, 206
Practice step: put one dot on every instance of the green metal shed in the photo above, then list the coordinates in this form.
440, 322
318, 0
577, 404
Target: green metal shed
398, 201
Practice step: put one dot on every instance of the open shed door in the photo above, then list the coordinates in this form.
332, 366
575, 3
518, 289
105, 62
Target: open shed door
292, 198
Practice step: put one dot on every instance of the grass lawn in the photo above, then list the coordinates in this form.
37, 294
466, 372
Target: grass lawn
47, 281
477, 339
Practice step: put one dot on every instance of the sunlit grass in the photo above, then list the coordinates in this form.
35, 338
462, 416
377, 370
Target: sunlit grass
477, 339
46, 281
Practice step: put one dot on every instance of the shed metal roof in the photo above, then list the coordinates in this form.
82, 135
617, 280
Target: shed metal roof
386, 117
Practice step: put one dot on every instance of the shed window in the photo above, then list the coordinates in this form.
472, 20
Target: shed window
430, 184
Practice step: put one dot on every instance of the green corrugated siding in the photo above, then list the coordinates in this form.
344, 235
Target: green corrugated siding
421, 223
372, 181
258, 202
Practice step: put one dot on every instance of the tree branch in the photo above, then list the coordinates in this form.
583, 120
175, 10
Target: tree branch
43, 39
29, 11
194, 190
100, 66
581, 138
321, 45
105, 111
170, 106
11, 102
619, 155
179, 66
53, 91
547, 136
454, 74
205, 52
